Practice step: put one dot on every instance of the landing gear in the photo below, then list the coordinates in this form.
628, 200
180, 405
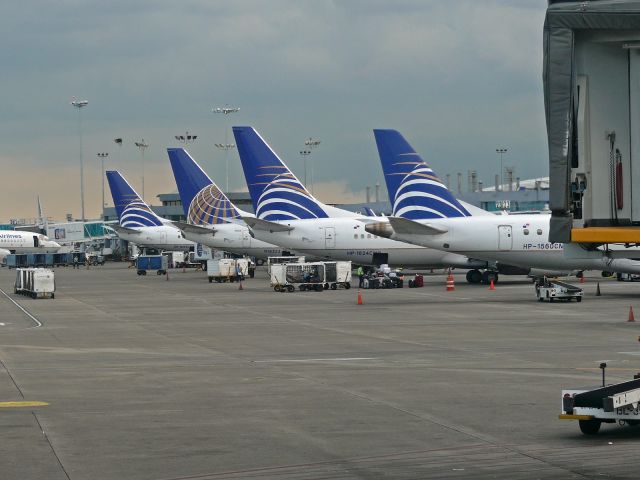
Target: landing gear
488, 276
474, 276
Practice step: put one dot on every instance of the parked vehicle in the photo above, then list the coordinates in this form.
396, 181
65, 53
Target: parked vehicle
35, 282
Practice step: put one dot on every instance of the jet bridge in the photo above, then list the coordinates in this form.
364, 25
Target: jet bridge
592, 105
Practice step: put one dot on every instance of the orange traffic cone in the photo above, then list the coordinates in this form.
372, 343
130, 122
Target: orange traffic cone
632, 318
492, 285
360, 302
450, 286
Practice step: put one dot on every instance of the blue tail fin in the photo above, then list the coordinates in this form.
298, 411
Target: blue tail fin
415, 190
203, 202
276, 192
131, 209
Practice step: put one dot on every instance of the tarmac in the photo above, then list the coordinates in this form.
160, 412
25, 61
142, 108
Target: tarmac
149, 378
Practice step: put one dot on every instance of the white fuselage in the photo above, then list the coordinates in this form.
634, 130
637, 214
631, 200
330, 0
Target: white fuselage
236, 238
165, 237
345, 238
518, 240
15, 241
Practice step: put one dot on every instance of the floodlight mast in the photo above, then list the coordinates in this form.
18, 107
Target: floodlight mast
226, 146
310, 143
79, 104
102, 156
186, 138
142, 146
501, 151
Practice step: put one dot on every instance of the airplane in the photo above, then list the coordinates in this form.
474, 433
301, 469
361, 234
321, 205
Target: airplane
212, 219
20, 241
138, 223
225, 110
287, 214
426, 213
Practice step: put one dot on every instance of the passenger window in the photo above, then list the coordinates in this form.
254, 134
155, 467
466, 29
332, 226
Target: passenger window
526, 231
539, 232
368, 235
355, 235
362, 235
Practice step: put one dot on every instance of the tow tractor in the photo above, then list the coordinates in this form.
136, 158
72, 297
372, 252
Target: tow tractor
547, 289
606, 404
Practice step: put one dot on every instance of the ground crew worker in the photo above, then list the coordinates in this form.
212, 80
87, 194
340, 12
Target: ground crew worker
360, 273
75, 261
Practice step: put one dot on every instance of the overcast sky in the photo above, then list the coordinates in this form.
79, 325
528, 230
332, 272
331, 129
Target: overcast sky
458, 78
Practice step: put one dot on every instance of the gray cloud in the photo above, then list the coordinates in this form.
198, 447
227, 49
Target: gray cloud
457, 78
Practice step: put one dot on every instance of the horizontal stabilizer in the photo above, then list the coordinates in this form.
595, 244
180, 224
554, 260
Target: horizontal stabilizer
410, 227
129, 231
188, 227
260, 224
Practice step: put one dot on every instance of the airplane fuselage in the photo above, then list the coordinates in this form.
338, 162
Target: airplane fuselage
518, 240
19, 242
163, 237
236, 238
346, 239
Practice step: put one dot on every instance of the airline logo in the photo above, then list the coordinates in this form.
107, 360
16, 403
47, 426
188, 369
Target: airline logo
211, 207
138, 214
283, 197
421, 194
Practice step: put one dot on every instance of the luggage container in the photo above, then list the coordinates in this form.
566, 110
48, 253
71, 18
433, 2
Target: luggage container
417, 282
35, 282
284, 259
16, 261
285, 277
145, 263
227, 269
338, 274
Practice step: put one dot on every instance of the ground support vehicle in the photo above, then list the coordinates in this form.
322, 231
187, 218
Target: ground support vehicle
95, 259
35, 282
337, 274
228, 269
608, 404
628, 277
285, 277
551, 290
145, 263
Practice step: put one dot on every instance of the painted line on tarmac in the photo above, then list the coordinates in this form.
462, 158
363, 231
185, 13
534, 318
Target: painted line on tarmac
348, 359
37, 322
22, 404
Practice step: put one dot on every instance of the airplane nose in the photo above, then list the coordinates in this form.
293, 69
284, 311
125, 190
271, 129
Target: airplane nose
381, 229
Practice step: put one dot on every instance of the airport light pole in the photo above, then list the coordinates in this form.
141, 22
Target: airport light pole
311, 143
501, 151
79, 104
142, 146
186, 138
304, 154
102, 156
226, 146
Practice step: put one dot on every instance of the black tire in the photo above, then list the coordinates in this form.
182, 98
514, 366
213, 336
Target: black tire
326, 286
276, 288
334, 286
143, 273
319, 287
210, 280
540, 299
53, 295
290, 288
578, 299
474, 276
347, 285
589, 427
303, 288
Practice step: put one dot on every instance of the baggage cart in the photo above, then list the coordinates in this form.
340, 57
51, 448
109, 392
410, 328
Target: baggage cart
35, 282
338, 274
145, 263
227, 269
285, 277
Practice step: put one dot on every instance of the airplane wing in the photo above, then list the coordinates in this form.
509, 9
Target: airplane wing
409, 227
259, 224
128, 231
188, 227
